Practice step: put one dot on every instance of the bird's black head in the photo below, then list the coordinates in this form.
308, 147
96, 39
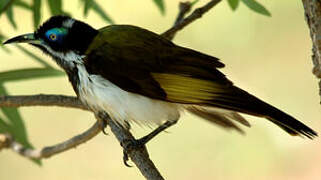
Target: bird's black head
62, 37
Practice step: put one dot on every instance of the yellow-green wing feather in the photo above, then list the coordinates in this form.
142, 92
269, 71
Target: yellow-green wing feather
185, 89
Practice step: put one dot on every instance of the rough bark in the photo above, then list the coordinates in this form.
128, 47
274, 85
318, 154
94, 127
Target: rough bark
312, 10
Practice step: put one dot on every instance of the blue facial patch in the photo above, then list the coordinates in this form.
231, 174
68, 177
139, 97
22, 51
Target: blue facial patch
56, 34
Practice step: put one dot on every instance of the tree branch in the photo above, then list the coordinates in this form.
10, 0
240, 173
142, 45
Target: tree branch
139, 156
312, 10
41, 100
7, 141
197, 13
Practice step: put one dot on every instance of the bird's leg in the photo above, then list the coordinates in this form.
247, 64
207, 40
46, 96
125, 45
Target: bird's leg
161, 128
129, 145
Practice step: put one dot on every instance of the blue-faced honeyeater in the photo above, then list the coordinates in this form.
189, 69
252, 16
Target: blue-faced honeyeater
135, 75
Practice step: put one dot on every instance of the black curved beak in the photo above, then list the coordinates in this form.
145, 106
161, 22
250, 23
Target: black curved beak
25, 38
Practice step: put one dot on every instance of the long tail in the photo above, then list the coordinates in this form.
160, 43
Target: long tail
210, 88
236, 99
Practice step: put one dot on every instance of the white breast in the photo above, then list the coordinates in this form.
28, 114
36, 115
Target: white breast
101, 94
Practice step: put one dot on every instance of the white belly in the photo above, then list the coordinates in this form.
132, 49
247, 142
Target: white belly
101, 94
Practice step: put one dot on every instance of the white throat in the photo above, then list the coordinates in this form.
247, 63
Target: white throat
66, 58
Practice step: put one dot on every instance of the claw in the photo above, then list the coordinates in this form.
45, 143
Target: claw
104, 131
129, 145
104, 125
125, 159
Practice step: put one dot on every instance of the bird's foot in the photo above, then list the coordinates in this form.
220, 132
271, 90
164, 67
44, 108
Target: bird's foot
133, 144
129, 145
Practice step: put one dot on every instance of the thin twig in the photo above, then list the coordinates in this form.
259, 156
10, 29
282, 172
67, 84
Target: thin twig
197, 13
7, 141
184, 8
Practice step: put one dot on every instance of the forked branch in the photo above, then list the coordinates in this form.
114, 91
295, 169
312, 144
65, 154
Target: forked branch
196, 14
7, 141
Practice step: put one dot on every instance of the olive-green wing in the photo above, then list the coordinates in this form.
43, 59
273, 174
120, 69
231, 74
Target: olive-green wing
129, 56
140, 47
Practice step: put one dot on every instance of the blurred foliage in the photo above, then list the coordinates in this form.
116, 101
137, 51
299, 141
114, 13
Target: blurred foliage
257, 7
252, 4
160, 5
10, 119
90, 4
233, 4
14, 125
55, 7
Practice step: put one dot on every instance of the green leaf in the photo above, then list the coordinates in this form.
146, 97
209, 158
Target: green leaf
87, 5
33, 56
10, 17
55, 7
16, 128
101, 12
15, 120
194, 2
233, 4
91, 4
4, 4
28, 73
257, 7
36, 13
4, 127
161, 6
22, 4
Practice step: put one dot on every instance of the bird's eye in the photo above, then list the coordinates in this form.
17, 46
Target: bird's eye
56, 35
53, 37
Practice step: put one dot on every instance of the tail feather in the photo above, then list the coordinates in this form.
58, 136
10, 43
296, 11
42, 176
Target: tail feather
290, 124
219, 117
239, 100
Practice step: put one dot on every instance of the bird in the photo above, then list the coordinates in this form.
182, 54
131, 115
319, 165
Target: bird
138, 76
